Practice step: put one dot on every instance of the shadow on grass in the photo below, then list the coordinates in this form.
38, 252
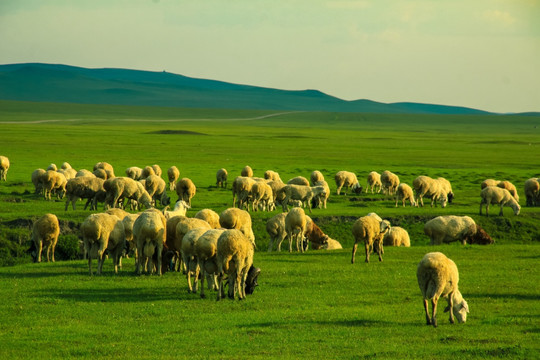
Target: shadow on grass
530, 297
128, 295
343, 323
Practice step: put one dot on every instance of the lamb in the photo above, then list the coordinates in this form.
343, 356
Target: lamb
532, 192
233, 218
103, 232
36, 180
498, 196
295, 226
298, 180
390, 182
107, 167
205, 251
241, 189
371, 231
430, 188
348, 180
374, 182
51, 181
185, 189
314, 235
157, 189
438, 276
84, 187
45, 231
510, 187
210, 216
451, 228
221, 178
397, 236
120, 188
134, 172
272, 176
189, 258
247, 171
275, 227
261, 194
316, 176
321, 201
149, 232
234, 257
180, 208
404, 192
303, 193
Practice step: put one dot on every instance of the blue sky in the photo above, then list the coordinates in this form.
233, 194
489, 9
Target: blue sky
483, 54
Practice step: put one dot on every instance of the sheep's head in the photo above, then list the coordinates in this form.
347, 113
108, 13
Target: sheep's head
444, 200
516, 208
481, 237
357, 188
450, 197
385, 226
251, 280
461, 310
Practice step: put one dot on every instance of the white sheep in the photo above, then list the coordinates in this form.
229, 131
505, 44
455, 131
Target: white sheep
129, 221
262, 196
390, 182
149, 233
532, 192
298, 180
101, 173
147, 171
189, 257
233, 218
52, 167
45, 231
134, 172
295, 227
120, 188
272, 176
221, 178
510, 187
84, 172
424, 186
404, 192
447, 188
303, 193
68, 173
205, 252
320, 201
103, 232
36, 180
53, 181
210, 216
489, 182
185, 189
438, 276
316, 176
157, 169
65, 166
448, 228
374, 182
498, 196
397, 236
234, 257
173, 174
332, 244
371, 231
157, 189
275, 227
247, 171
180, 208
107, 167
241, 191
84, 187
348, 180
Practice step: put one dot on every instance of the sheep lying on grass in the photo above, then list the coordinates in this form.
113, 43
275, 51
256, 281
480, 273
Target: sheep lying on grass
438, 276
348, 180
498, 196
4, 167
397, 236
370, 230
45, 231
449, 228
173, 174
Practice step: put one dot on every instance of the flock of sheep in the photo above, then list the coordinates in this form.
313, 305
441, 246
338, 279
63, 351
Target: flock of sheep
221, 246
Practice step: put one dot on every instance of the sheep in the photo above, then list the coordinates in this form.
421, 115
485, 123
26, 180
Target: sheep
532, 192
272, 176
84, 187
128, 222
205, 250
489, 182
332, 244
233, 218
298, 180
36, 180
275, 227
498, 196
295, 226
45, 231
66, 166
180, 208
430, 188
210, 216
181, 226
247, 171
510, 187
397, 236
314, 235
316, 176
103, 232
185, 189
348, 180
221, 178
157, 169
241, 190
51, 181
373, 182
173, 174
390, 182
134, 172
438, 276
277, 194
157, 189
52, 167
84, 172
234, 257
149, 232
189, 258
147, 171
170, 239
100, 173
455, 228
107, 167
120, 188
303, 193
68, 173
261, 194
447, 188
321, 201
371, 231
404, 192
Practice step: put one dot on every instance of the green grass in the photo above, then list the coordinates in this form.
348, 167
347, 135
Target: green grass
314, 305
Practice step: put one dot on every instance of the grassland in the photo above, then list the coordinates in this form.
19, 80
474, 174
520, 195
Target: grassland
315, 305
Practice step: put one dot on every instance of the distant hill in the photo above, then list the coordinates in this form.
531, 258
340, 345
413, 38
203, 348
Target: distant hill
63, 83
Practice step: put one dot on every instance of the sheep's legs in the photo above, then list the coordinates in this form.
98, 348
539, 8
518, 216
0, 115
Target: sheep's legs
426, 309
367, 246
354, 252
434, 311
450, 307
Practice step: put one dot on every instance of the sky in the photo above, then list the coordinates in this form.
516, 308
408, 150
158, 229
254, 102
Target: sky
483, 54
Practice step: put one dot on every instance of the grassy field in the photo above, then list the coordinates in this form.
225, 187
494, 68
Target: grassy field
310, 305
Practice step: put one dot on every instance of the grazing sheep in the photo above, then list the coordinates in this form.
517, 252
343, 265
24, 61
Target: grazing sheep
447, 188
275, 227
45, 231
374, 182
316, 176
348, 180
262, 197
489, 182
390, 182
107, 167
84, 187
134, 172
303, 193
241, 190
455, 228
84, 172
149, 232
170, 239
103, 232
68, 173
100, 173
65, 166
298, 180
157, 169
147, 171
53, 181
272, 176
128, 222
52, 167
205, 251
295, 226
314, 235
498, 196
234, 258
247, 171
371, 231
183, 225
120, 188
189, 258
510, 187
397, 236
36, 180
532, 192
4, 167
404, 192
221, 178
210, 216
180, 208
233, 218
438, 276
157, 189
320, 201
185, 189
424, 186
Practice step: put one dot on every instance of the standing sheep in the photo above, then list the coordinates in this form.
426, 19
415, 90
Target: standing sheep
36, 180
45, 233
205, 251
173, 174
157, 189
295, 226
374, 182
247, 171
149, 232
4, 167
404, 192
438, 276
348, 180
424, 186
510, 187
303, 193
532, 192
134, 172
397, 236
489, 182
316, 175
455, 228
185, 189
320, 201
498, 196
298, 180
107, 167
272, 176
84, 187
157, 169
147, 171
262, 196
221, 178
120, 188
53, 181
210, 216
233, 218
241, 190
371, 231
447, 188
189, 241
275, 227
390, 182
